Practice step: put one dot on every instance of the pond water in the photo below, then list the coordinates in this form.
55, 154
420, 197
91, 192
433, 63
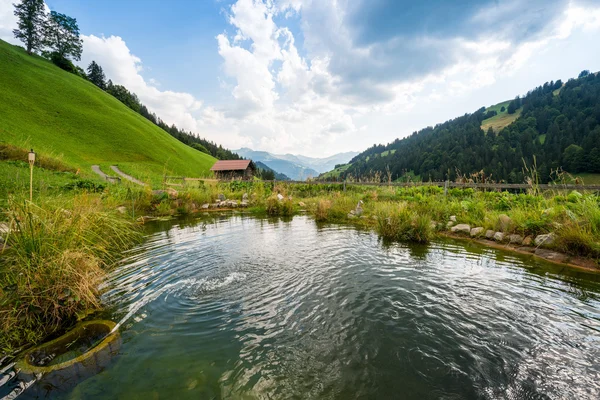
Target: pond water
244, 308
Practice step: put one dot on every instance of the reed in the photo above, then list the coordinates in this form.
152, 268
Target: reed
58, 253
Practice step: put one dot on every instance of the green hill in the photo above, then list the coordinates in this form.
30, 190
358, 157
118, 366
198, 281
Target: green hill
500, 120
555, 125
60, 114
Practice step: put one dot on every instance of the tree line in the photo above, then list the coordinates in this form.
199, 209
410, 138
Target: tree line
558, 129
56, 37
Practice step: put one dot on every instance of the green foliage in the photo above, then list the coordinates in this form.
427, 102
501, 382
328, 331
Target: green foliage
284, 207
559, 130
200, 147
95, 74
398, 222
30, 23
85, 184
63, 63
61, 36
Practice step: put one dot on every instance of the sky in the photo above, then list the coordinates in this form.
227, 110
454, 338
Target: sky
319, 77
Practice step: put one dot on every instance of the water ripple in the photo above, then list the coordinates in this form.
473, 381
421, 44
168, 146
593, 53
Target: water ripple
250, 308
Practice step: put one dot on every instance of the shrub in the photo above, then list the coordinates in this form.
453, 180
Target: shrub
283, 207
399, 223
322, 211
63, 63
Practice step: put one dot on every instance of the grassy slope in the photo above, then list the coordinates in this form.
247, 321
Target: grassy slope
501, 120
58, 113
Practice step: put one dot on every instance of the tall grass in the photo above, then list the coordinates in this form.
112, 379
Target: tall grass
58, 253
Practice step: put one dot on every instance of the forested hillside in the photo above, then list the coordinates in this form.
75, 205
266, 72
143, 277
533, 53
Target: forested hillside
558, 124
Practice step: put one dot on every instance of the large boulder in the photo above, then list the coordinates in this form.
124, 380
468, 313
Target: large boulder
461, 228
545, 240
504, 222
515, 239
476, 231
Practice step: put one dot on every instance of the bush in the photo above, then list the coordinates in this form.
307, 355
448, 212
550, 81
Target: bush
85, 184
63, 63
283, 207
400, 223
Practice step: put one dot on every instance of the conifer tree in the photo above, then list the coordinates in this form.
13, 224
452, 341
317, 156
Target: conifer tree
96, 75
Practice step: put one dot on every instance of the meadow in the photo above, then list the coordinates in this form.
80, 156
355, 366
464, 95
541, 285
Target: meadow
62, 244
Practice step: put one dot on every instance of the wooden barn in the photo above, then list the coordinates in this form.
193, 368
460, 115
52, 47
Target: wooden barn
234, 169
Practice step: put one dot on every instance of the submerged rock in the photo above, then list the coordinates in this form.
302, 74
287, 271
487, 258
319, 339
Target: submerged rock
476, 231
551, 255
461, 228
515, 239
545, 240
498, 236
489, 234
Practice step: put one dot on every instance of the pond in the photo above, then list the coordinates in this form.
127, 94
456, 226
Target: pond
243, 308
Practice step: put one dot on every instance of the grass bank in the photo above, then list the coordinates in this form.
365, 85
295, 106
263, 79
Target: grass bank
77, 227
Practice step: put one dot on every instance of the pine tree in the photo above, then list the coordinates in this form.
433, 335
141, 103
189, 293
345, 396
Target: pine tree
31, 16
96, 75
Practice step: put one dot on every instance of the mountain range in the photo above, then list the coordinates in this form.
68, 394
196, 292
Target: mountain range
297, 167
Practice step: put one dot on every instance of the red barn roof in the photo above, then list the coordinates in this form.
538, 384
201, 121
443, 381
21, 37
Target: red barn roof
232, 165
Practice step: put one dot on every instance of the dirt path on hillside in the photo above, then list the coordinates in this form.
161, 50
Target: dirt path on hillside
128, 177
96, 169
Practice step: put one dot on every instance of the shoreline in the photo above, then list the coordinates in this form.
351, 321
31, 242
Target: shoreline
549, 255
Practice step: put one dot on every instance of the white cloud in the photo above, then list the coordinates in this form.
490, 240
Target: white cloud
8, 21
317, 99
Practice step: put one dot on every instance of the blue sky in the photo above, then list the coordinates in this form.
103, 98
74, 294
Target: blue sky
317, 77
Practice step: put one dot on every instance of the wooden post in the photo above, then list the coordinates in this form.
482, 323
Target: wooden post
344, 185
446, 188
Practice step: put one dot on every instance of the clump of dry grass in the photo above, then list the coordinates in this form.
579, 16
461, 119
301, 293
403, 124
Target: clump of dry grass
57, 257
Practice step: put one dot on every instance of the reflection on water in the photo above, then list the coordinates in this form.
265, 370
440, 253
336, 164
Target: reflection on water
267, 309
